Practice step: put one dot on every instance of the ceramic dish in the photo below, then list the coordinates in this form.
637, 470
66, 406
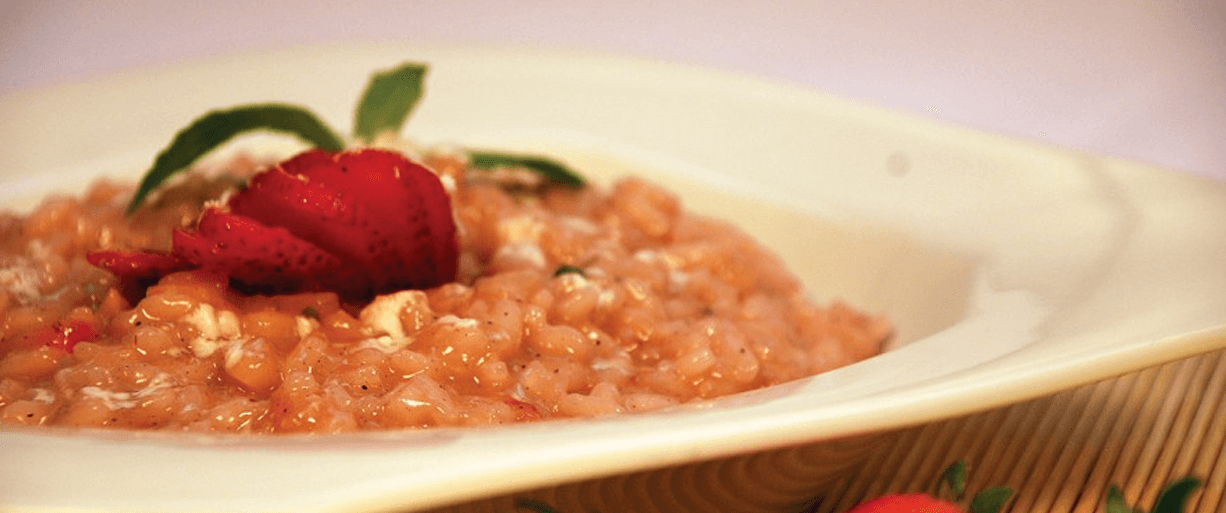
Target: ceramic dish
1011, 269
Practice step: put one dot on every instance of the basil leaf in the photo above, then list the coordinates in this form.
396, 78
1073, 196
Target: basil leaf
213, 129
550, 169
389, 98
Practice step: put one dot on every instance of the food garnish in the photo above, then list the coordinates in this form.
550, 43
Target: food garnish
359, 222
390, 97
217, 127
547, 168
385, 106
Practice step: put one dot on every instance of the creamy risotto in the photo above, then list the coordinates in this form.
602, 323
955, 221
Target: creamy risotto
567, 303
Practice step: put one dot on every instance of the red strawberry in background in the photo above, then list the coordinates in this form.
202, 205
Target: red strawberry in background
953, 480
359, 222
1173, 498
906, 502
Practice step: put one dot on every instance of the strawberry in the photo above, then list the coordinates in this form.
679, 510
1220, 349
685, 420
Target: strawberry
359, 222
953, 480
990, 500
137, 271
906, 502
262, 258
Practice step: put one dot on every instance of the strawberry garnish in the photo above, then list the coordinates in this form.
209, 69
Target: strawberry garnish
260, 258
137, 271
360, 223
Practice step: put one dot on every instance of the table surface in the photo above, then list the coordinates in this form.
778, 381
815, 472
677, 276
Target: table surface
1142, 79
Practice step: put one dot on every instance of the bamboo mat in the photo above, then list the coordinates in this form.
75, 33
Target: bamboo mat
1060, 453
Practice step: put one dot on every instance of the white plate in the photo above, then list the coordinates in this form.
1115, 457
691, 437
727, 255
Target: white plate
1011, 269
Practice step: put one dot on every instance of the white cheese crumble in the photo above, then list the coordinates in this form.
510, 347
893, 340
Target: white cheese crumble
237, 350
384, 343
304, 325
573, 281
214, 330
121, 400
22, 280
522, 252
42, 395
521, 228
459, 322
383, 316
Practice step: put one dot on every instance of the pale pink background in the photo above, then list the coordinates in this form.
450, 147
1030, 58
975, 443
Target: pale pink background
1143, 79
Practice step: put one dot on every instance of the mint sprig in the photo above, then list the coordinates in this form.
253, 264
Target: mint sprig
551, 169
388, 100
390, 96
213, 129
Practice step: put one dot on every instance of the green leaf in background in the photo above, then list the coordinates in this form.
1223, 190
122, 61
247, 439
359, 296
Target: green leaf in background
534, 505
215, 128
990, 500
1115, 502
389, 98
550, 169
1175, 496
955, 477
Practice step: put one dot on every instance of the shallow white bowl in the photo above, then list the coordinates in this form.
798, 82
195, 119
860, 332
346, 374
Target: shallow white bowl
1011, 269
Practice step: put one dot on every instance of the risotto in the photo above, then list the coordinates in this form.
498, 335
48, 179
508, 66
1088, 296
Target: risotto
567, 303
376, 288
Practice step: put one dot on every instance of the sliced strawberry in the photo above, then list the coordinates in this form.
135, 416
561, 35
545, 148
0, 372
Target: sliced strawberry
407, 195
146, 264
262, 258
359, 223
138, 270
374, 208
317, 214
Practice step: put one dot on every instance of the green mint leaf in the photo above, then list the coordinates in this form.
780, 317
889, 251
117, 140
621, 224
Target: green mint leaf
534, 505
390, 97
213, 129
550, 169
954, 478
990, 500
1175, 496
563, 269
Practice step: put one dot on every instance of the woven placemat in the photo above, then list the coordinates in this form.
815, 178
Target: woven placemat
1061, 453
